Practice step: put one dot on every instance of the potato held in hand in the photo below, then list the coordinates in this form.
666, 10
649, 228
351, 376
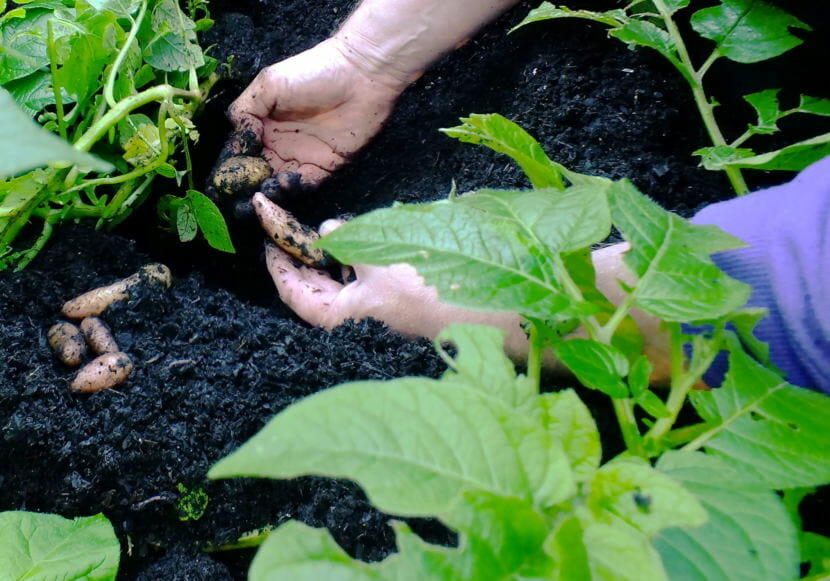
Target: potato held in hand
105, 371
240, 174
98, 300
290, 235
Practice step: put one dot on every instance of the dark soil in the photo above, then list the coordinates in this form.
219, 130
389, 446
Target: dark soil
218, 355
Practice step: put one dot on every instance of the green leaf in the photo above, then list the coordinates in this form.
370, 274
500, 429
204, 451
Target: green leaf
413, 444
619, 552
89, 53
298, 552
794, 157
815, 550
172, 44
720, 156
186, 224
644, 33
547, 11
677, 279
473, 261
504, 136
748, 536
814, 106
745, 322
675, 5
595, 365
769, 429
569, 421
122, 8
43, 547
748, 31
482, 363
548, 220
567, 550
25, 145
501, 536
768, 109
211, 221
23, 42
34, 92
630, 489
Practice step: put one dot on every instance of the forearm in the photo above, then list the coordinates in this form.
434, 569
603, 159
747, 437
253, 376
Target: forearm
399, 39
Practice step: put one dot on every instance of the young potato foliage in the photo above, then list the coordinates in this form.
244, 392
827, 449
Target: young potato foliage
519, 473
84, 69
743, 31
47, 546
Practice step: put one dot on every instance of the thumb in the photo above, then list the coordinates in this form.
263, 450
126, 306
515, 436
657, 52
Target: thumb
329, 226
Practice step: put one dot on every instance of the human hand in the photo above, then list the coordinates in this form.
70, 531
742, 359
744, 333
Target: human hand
395, 295
310, 113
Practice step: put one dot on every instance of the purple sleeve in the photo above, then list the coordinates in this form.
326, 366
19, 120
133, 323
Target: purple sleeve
787, 265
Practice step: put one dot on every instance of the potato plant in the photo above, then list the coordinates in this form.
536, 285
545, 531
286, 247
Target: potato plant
115, 85
521, 474
744, 31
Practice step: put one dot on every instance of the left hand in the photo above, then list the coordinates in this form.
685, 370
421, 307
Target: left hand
396, 295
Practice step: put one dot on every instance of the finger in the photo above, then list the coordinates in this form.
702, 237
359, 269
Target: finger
303, 178
330, 226
310, 293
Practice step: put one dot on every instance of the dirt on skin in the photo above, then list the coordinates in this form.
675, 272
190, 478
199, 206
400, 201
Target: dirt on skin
217, 355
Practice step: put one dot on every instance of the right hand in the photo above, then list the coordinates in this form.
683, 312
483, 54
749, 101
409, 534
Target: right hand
311, 113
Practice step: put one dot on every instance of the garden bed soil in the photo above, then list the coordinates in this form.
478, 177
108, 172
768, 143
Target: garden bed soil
218, 355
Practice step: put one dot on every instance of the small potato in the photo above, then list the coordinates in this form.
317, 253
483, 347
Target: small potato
290, 235
96, 301
105, 371
240, 174
98, 336
67, 342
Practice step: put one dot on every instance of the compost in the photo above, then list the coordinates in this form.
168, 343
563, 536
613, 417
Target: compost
217, 355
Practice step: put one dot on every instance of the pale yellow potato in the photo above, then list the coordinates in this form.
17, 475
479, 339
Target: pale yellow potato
67, 342
98, 336
103, 372
96, 301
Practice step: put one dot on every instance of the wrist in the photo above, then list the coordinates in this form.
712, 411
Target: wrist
375, 61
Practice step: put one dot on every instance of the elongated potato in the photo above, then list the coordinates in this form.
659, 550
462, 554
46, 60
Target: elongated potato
97, 300
67, 342
289, 234
240, 174
98, 336
105, 371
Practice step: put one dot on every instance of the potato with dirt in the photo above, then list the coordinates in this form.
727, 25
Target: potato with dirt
98, 336
240, 174
67, 341
103, 372
97, 301
290, 235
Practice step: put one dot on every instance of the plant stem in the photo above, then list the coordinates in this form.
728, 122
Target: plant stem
683, 381
534, 356
607, 331
124, 107
624, 410
704, 106
572, 289
56, 86
122, 54
45, 234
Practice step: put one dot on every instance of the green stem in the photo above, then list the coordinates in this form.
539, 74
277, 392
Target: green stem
606, 333
704, 106
56, 86
624, 410
572, 289
683, 435
683, 381
122, 54
29, 255
534, 356
125, 107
